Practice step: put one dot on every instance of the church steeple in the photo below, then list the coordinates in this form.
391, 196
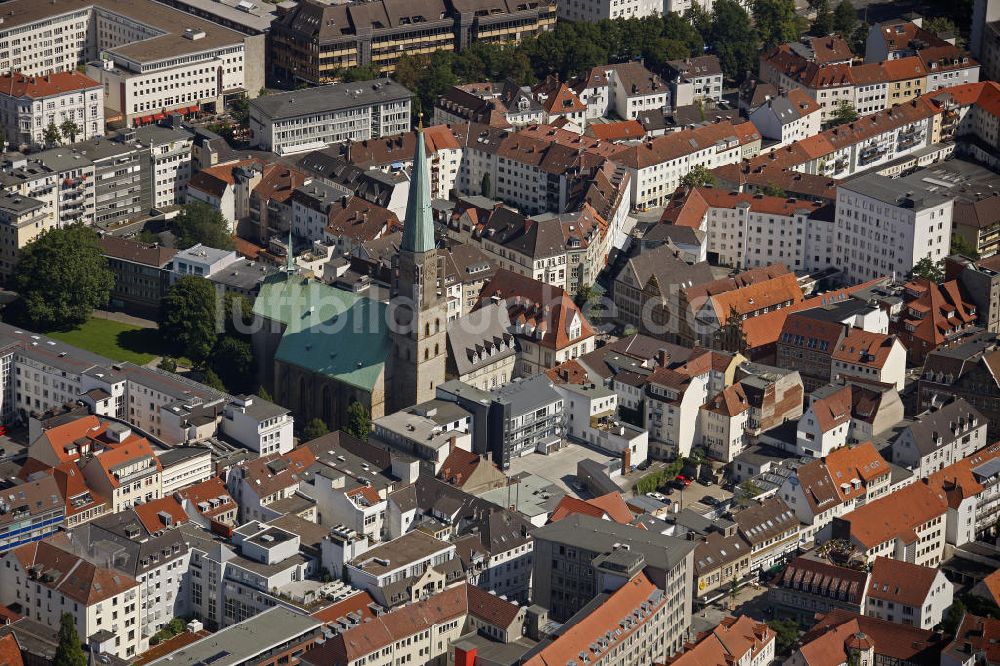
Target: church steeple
420, 310
418, 227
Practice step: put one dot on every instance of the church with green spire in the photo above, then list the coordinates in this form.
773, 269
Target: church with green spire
332, 347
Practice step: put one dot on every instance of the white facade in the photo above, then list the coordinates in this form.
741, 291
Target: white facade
925, 615
190, 470
886, 227
591, 416
311, 119
24, 118
592, 11
259, 425
118, 613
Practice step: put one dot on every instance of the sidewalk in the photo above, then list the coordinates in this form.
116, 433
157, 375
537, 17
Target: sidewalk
126, 319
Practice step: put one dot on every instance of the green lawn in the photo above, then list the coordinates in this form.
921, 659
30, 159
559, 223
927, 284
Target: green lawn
117, 341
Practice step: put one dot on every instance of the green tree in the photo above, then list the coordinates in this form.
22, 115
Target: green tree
232, 360
367, 72
62, 276
51, 136
926, 268
845, 18
786, 632
264, 394
845, 113
734, 39
772, 190
486, 186
858, 37
944, 26
69, 129
200, 223
359, 421
187, 317
167, 363
822, 25
315, 428
239, 109
69, 652
212, 380
698, 176
959, 245
776, 21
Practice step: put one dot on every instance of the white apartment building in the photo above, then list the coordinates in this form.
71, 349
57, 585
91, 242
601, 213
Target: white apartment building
592, 417
29, 104
916, 534
723, 422
61, 179
184, 466
126, 474
149, 58
258, 424
314, 118
747, 230
21, 220
907, 593
787, 118
886, 226
592, 11
47, 580
656, 166
169, 163
408, 556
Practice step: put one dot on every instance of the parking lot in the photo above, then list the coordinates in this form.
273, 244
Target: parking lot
558, 467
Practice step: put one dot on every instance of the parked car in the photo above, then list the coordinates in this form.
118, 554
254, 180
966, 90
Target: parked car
657, 496
708, 500
683, 480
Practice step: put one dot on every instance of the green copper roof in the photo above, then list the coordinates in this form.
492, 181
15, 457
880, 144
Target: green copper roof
418, 227
328, 330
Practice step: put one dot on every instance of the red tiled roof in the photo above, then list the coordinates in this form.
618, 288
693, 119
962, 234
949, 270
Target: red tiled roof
896, 515
959, 476
617, 131
148, 513
10, 651
69, 574
750, 298
548, 309
265, 482
359, 602
861, 347
982, 635
577, 637
206, 491
823, 645
34, 87
131, 450
215, 179
685, 142
733, 641
900, 582
360, 220
611, 506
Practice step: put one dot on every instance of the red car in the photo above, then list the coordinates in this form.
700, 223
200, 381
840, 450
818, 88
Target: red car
683, 479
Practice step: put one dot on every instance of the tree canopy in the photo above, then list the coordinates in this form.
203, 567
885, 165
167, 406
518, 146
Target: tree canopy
315, 428
69, 651
187, 317
699, 176
845, 19
845, 113
734, 40
232, 359
959, 245
776, 21
62, 276
200, 223
926, 268
359, 421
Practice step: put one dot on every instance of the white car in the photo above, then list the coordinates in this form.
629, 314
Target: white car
656, 496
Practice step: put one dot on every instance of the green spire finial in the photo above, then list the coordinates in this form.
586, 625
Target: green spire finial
418, 226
